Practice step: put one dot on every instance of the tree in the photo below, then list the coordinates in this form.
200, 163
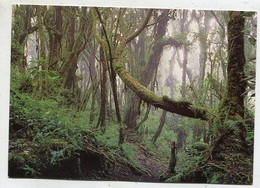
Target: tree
103, 107
159, 130
232, 107
22, 27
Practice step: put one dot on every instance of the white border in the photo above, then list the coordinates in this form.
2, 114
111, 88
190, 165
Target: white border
5, 35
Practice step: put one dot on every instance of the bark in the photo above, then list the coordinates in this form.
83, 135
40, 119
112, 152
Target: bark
92, 109
103, 108
184, 29
139, 29
27, 29
234, 101
113, 80
232, 106
173, 160
159, 130
115, 96
181, 136
133, 111
55, 36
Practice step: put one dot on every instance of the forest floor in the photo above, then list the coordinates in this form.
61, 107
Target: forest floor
154, 167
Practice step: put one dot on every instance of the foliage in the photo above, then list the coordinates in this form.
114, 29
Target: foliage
21, 82
45, 135
17, 53
182, 38
45, 82
48, 130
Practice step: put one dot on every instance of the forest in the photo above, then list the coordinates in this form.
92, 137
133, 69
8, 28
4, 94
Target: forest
128, 94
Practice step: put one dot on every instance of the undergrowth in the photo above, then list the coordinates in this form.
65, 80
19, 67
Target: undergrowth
44, 134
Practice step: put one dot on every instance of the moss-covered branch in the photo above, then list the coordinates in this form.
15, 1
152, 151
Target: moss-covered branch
94, 29
181, 107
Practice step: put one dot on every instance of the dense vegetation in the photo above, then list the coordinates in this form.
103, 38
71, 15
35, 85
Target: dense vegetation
102, 93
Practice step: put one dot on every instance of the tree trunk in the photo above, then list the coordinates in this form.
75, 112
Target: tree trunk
232, 106
203, 47
184, 72
115, 96
132, 111
92, 108
103, 108
146, 115
235, 86
54, 37
173, 160
181, 136
159, 130
152, 65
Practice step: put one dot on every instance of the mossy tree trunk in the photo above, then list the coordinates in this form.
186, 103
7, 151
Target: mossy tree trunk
103, 107
76, 37
232, 105
54, 15
235, 69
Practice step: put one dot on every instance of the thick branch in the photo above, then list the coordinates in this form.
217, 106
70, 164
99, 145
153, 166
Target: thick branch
181, 107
